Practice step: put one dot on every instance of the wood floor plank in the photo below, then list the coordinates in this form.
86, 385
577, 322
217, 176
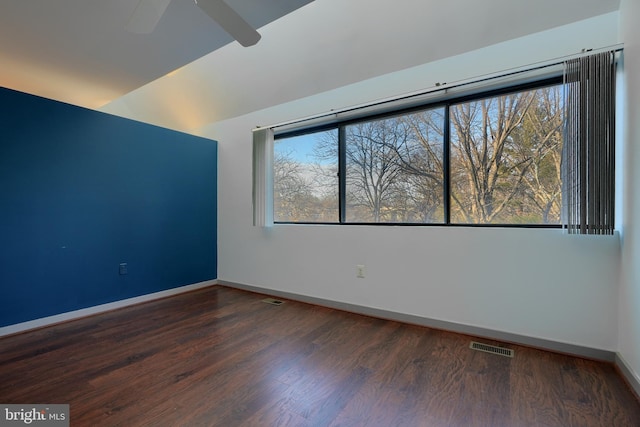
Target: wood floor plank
222, 357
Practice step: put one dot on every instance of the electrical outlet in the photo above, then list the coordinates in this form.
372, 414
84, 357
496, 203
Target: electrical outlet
123, 268
360, 271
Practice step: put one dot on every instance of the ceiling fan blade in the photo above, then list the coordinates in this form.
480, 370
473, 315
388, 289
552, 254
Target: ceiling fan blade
230, 21
146, 15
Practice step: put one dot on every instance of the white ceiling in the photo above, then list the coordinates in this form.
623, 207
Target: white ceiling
76, 51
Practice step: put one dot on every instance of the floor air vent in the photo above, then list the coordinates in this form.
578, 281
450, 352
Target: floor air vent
273, 301
501, 351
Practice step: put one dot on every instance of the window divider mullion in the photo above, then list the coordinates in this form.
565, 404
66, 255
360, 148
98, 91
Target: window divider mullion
342, 173
446, 165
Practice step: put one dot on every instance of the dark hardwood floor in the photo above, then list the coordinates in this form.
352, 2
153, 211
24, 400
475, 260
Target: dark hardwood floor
222, 357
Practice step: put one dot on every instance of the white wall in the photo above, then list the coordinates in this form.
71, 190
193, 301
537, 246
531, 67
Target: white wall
538, 283
629, 329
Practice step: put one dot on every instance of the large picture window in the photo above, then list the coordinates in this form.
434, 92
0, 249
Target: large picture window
491, 158
488, 159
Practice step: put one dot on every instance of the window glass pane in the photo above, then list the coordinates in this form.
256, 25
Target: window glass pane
505, 158
394, 169
305, 178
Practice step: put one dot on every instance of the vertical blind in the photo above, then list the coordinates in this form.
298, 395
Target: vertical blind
589, 146
263, 177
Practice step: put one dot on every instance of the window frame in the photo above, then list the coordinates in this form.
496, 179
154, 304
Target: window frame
444, 102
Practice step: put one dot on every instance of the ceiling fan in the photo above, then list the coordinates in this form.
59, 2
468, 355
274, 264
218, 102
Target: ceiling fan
148, 13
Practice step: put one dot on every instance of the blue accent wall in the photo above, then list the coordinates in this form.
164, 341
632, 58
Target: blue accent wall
82, 191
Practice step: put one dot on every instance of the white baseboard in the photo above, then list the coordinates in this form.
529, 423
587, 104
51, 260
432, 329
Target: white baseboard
76, 314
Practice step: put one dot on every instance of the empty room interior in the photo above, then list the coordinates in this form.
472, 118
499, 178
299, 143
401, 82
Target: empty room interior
320, 212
